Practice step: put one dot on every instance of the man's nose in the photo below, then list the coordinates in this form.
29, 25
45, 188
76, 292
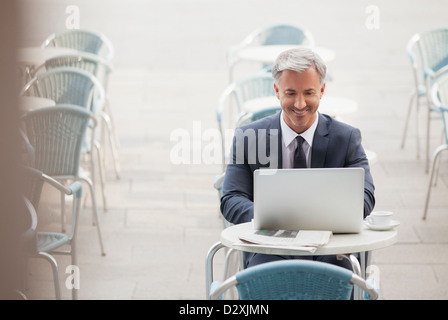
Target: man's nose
300, 102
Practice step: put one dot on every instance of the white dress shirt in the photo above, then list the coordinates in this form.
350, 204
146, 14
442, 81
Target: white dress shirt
289, 142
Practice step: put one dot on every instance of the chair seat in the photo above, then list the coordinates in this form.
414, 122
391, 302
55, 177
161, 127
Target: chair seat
48, 241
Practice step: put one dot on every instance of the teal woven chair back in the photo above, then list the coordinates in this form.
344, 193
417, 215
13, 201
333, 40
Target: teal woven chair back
73, 61
294, 280
253, 87
57, 134
94, 65
80, 40
433, 47
283, 34
65, 86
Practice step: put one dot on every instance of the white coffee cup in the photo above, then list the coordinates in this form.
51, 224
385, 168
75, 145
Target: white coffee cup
380, 218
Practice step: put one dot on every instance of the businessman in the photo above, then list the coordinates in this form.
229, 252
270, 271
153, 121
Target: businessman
298, 136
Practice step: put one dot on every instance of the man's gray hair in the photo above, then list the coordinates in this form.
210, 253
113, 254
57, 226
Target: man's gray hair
299, 59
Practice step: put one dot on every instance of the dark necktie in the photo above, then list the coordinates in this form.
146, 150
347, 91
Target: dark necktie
299, 154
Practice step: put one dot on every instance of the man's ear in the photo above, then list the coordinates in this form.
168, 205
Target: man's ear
276, 91
322, 89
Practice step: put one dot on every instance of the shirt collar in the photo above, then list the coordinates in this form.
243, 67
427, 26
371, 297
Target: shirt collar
288, 135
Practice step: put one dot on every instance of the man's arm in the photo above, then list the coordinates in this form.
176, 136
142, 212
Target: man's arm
356, 157
237, 200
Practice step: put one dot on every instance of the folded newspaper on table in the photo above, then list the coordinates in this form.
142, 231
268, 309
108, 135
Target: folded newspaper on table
303, 240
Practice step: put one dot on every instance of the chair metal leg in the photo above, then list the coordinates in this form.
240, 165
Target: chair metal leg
403, 140
436, 171
107, 121
233, 264
415, 96
209, 267
97, 147
73, 246
113, 147
433, 170
95, 213
21, 295
363, 258
54, 267
109, 113
417, 125
428, 130
74, 263
63, 212
114, 142
437, 164
356, 267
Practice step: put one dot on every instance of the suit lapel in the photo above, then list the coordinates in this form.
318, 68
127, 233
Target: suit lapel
279, 141
274, 132
320, 143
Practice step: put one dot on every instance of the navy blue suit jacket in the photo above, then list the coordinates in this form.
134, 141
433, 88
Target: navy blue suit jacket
335, 145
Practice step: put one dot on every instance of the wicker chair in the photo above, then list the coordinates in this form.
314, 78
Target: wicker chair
82, 40
68, 85
57, 135
294, 280
101, 70
44, 244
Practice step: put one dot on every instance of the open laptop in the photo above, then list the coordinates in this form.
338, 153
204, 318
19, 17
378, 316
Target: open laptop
309, 199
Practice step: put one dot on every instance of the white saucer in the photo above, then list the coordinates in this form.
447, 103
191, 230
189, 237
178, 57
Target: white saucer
393, 224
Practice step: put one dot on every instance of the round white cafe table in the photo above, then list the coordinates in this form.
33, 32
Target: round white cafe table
267, 54
333, 106
366, 240
33, 56
29, 103
339, 244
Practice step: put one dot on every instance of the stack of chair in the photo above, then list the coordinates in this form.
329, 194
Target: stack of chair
65, 141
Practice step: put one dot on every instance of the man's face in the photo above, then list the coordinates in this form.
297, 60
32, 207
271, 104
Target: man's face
299, 95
